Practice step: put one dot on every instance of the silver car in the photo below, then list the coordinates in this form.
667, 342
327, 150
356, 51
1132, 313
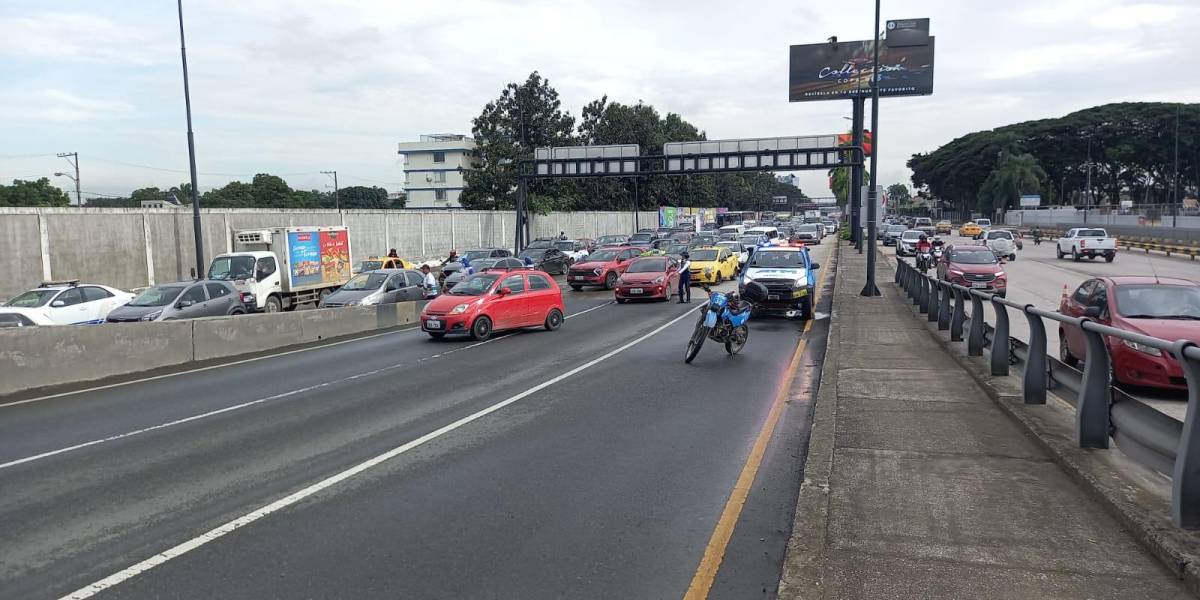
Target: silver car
182, 300
381, 286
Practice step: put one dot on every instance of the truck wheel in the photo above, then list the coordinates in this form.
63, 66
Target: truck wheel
481, 329
1110, 257
1058, 253
1074, 255
272, 305
806, 308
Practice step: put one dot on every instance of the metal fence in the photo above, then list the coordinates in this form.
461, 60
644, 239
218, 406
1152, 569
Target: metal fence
1146, 435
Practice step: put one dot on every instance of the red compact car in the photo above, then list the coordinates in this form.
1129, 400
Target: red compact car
493, 301
602, 267
1160, 307
648, 277
975, 267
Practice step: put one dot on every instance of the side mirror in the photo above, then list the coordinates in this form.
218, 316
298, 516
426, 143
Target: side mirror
815, 266
184, 304
503, 291
58, 304
1092, 312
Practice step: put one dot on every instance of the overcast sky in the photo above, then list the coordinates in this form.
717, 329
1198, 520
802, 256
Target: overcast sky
294, 88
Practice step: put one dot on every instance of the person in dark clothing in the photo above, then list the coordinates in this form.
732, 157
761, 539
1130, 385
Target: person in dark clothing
392, 253
685, 279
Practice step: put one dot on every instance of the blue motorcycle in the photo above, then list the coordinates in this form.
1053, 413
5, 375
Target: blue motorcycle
723, 319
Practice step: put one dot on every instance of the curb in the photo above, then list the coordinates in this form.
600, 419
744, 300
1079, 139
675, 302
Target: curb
1141, 512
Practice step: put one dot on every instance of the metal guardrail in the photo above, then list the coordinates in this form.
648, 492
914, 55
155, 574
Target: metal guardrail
1146, 435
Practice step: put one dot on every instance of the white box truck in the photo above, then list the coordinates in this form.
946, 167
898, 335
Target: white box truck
284, 267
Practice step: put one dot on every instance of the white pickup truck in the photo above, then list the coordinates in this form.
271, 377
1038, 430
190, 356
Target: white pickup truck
1086, 241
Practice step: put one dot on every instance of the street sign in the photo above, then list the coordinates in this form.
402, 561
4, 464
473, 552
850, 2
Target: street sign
1031, 201
907, 32
760, 153
586, 160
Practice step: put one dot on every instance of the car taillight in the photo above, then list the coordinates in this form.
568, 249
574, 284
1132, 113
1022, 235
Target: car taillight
247, 297
1082, 244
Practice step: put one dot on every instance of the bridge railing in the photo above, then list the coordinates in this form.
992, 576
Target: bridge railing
1148, 436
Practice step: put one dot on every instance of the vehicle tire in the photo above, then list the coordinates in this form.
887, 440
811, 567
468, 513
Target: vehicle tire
1058, 253
610, 280
1110, 258
554, 320
622, 300
321, 296
481, 329
1064, 353
1012, 257
1075, 255
696, 341
735, 345
237, 311
437, 335
806, 308
576, 288
272, 305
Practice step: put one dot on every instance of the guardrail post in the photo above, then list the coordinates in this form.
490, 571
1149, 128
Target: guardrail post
927, 293
975, 335
1092, 422
956, 320
943, 316
999, 357
1185, 479
918, 287
1034, 380
897, 279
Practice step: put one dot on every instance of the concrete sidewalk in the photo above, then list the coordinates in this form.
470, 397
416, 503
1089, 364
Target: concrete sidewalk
918, 486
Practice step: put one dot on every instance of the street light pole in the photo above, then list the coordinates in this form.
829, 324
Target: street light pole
337, 204
1087, 203
79, 195
1175, 202
187, 103
870, 289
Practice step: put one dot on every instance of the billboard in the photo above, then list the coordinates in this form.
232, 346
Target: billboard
304, 257
1031, 201
843, 70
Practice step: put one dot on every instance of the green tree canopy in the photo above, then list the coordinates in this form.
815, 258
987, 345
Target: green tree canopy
1012, 176
898, 193
32, 193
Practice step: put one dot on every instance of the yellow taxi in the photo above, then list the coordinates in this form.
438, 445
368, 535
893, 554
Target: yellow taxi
970, 229
713, 264
944, 227
372, 263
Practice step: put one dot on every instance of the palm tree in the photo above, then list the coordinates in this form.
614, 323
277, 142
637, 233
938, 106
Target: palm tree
1013, 175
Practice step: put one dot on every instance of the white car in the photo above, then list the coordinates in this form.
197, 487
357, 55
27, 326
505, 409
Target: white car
22, 317
574, 249
738, 249
66, 303
1002, 243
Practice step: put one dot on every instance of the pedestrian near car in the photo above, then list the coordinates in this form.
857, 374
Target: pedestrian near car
429, 280
685, 279
392, 253
562, 235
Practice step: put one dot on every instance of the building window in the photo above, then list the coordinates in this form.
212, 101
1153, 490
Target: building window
439, 177
439, 195
439, 157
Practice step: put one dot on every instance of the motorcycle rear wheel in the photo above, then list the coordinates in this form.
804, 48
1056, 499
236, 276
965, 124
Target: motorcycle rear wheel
694, 344
737, 340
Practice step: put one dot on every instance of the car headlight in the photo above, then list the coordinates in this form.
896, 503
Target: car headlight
369, 300
1144, 349
597, 270
955, 272
351, 303
460, 309
152, 316
707, 271
659, 280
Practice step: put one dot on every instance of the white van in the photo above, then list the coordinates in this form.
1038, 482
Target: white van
738, 229
770, 233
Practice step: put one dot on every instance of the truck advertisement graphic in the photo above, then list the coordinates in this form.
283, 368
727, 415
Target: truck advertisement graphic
335, 256
304, 257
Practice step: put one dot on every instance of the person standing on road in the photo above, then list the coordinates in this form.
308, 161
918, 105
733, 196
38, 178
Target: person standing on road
429, 280
685, 279
392, 253
562, 235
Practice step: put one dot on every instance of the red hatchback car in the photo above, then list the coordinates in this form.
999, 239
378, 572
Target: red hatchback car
602, 267
974, 267
648, 277
493, 301
1161, 307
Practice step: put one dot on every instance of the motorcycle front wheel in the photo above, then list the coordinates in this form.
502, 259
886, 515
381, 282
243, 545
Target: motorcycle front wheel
737, 340
694, 344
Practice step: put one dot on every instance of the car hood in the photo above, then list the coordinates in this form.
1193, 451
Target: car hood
641, 277
132, 312
592, 264
796, 273
700, 264
445, 302
976, 269
344, 296
1166, 329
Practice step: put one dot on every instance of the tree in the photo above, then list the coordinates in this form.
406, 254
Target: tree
524, 117
898, 193
32, 193
360, 196
1012, 176
839, 183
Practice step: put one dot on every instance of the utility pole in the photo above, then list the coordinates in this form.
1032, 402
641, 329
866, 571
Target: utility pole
197, 231
73, 159
1087, 203
1175, 201
337, 203
856, 174
870, 289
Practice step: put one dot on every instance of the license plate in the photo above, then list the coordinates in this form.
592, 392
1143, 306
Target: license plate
433, 324
635, 290
772, 296
575, 277
799, 293
979, 285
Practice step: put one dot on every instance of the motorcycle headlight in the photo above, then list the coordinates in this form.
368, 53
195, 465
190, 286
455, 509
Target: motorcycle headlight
152, 316
1144, 349
460, 309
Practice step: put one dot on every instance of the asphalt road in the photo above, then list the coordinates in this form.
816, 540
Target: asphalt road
590, 462
1037, 277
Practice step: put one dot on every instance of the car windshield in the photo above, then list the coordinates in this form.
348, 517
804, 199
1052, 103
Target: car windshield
778, 258
750, 240
602, 256
566, 246
610, 239
485, 263
1092, 233
703, 255
999, 235
1159, 301
540, 244
912, 235
983, 222
365, 281
474, 254
32, 299
368, 265
533, 252
647, 265
641, 237
734, 246
676, 249
973, 257
808, 227
231, 267
477, 285
159, 295
896, 229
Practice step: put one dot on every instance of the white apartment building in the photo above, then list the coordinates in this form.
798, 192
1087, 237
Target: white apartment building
433, 169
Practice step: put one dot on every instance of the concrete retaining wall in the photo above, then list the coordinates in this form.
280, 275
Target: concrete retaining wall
39, 357
130, 248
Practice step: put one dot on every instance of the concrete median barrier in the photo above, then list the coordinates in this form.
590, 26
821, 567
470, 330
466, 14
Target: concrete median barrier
38, 357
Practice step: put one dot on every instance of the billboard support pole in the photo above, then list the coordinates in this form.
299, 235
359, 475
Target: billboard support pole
870, 289
518, 238
856, 174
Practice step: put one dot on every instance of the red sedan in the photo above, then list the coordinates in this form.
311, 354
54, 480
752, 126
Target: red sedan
648, 277
494, 301
974, 267
602, 267
1161, 307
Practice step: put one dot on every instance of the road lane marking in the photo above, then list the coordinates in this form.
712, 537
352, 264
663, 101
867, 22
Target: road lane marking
222, 530
714, 552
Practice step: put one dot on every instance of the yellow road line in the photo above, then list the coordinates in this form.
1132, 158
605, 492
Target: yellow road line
714, 553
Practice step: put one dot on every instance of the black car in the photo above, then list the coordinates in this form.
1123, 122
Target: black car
548, 260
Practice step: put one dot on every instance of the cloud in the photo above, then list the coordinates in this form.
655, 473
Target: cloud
61, 106
81, 37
